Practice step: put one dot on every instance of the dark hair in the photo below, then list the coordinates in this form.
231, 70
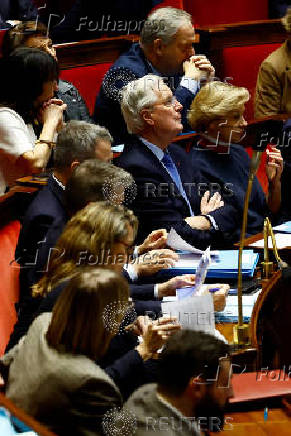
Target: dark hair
94, 180
189, 354
78, 141
77, 324
24, 73
19, 34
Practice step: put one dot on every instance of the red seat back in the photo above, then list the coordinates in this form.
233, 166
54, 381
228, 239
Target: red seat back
87, 80
242, 64
211, 12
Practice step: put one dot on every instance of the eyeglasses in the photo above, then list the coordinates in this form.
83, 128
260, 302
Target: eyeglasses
170, 102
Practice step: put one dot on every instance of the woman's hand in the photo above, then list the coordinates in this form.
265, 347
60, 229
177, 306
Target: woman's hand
155, 335
274, 166
153, 261
52, 113
209, 204
154, 241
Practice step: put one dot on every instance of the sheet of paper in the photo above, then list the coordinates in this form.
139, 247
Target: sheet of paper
282, 240
177, 243
194, 313
284, 228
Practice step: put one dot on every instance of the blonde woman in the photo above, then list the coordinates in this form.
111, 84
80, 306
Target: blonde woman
217, 114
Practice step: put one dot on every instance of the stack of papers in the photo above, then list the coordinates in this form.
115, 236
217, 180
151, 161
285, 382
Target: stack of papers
225, 265
230, 313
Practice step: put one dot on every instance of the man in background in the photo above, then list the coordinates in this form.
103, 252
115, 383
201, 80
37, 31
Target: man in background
165, 49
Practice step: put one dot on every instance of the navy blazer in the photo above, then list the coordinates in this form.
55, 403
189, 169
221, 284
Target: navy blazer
130, 66
158, 204
45, 212
228, 174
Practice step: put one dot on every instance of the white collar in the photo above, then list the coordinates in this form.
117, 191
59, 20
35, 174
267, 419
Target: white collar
58, 182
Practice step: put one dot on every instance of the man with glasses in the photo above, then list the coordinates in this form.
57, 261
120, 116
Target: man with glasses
167, 192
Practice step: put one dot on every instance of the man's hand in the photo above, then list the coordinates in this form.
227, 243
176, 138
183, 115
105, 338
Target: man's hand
154, 241
274, 166
219, 297
198, 68
198, 222
209, 204
153, 261
168, 289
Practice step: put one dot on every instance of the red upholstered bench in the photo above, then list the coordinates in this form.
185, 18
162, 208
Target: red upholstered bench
9, 285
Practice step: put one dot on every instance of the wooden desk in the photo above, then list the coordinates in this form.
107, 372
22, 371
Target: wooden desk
36, 182
251, 423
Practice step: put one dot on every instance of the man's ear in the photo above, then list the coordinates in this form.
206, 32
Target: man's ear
196, 388
158, 47
74, 165
146, 116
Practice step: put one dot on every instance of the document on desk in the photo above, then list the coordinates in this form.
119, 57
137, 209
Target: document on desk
283, 240
283, 228
194, 313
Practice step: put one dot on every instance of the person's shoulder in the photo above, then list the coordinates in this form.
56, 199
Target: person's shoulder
8, 114
65, 86
142, 394
131, 63
276, 59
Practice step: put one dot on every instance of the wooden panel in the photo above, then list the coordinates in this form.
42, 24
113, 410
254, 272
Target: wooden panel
245, 33
95, 51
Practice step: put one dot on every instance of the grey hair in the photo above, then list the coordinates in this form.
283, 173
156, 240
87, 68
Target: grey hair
136, 96
77, 141
163, 23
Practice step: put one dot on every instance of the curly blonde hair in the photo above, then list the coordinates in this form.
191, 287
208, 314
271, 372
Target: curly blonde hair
88, 235
215, 100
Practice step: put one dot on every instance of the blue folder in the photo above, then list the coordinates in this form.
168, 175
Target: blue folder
225, 265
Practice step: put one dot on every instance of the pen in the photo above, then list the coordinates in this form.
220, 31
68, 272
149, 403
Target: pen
213, 289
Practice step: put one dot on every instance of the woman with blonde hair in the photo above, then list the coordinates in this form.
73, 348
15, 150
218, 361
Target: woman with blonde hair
53, 373
217, 115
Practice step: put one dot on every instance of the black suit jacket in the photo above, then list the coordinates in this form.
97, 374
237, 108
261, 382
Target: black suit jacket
158, 203
46, 211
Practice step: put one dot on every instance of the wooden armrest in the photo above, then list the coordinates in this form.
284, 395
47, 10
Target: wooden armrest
22, 416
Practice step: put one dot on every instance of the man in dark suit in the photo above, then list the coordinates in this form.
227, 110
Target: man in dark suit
161, 171
165, 49
76, 142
